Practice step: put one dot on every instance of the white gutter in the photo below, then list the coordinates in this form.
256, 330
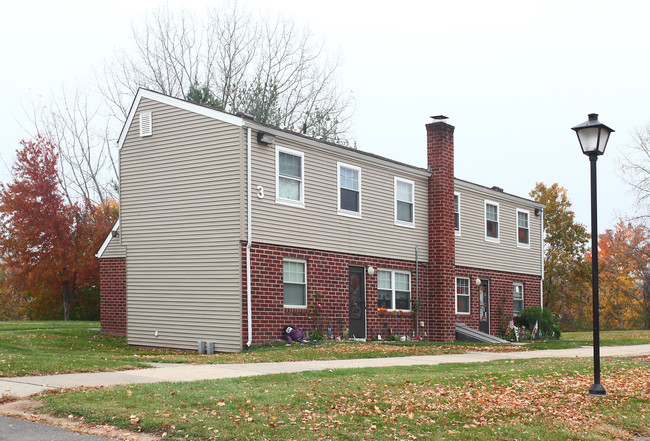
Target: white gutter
541, 282
249, 227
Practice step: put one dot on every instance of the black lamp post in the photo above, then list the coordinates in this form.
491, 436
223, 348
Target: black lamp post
593, 136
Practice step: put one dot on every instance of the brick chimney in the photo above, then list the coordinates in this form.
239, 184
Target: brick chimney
441, 295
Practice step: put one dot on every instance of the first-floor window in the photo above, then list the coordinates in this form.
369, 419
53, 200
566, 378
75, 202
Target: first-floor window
295, 283
394, 290
517, 298
462, 295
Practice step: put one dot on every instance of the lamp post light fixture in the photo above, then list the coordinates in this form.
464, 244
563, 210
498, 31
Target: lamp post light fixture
593, 136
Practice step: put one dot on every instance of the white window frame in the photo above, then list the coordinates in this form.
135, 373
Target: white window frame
520, 244
469, 296
514, 291
392, 288
284, 201
342, 211
457, 231
485, 220
304, 262
412, 184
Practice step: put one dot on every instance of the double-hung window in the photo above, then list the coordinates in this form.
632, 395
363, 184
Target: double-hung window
295, 283
394, 290
289, 177
349, 185
404, 202
517, 298
491, 221
523, 229
457, 213
462, 295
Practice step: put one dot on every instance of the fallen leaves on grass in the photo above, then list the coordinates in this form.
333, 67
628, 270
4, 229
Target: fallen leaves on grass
559, 401
548, 395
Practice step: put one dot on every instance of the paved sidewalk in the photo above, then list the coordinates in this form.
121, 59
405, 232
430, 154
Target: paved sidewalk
25, 386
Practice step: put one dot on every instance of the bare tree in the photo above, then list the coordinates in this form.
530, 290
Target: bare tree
232, 37
635, 165
265, 66
74, 124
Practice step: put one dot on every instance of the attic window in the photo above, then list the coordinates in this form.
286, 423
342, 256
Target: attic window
146, 126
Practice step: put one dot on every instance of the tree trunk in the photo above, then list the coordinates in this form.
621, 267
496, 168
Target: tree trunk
67, 301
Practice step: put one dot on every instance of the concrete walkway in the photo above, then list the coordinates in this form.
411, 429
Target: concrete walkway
25, 386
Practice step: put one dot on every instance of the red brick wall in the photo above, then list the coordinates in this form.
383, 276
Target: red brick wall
501, 290
327, 274
440, 154
113, 295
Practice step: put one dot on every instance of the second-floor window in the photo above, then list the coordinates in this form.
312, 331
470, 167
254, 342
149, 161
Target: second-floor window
404, 202
289, 177
491, 221
349, 184
457, 213
523, 230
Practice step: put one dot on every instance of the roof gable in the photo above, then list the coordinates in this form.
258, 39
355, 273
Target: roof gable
178, 103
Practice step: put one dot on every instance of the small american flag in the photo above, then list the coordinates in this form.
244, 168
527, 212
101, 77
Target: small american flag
511, 325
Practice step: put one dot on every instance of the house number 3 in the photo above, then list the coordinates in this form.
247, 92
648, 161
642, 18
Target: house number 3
260, 192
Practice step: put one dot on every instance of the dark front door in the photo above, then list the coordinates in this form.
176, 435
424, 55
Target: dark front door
484, 306
357, 303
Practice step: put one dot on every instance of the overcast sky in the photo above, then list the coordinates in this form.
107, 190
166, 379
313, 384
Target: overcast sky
513, 76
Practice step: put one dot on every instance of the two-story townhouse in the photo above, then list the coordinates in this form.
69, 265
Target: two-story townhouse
498, 255
230, 229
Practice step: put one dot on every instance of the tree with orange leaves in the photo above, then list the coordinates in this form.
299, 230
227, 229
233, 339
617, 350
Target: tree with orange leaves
47, 245
624, 255
565, 270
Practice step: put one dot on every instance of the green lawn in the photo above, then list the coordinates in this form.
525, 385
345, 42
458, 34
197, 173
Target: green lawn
17, 326
50, 347
33, 348
528, 399
608, 338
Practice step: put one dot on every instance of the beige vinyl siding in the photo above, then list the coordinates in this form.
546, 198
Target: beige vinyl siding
114, 250
180, 219
318, 225
473, 250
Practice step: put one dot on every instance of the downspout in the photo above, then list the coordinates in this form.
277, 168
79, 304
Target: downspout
249, 236
541, 282
417, 295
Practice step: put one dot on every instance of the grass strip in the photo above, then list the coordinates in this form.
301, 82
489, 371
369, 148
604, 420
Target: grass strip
39, 348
